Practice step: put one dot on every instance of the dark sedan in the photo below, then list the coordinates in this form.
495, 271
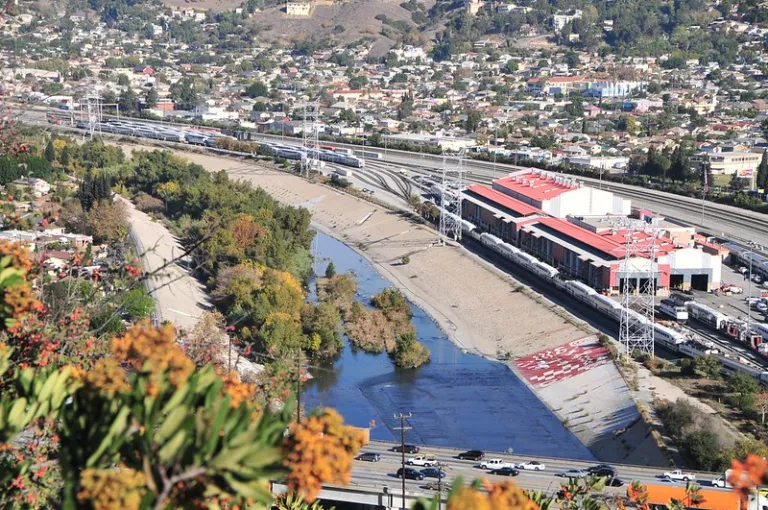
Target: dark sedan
410, 474
505, 471
369, 457
475, 455
433, 472
409, 448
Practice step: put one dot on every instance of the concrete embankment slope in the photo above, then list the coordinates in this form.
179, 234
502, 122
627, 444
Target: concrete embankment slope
480, 307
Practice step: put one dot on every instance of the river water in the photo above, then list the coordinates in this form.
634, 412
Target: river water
457, 400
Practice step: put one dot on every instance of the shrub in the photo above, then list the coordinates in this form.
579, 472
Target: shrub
147, 203
677, 417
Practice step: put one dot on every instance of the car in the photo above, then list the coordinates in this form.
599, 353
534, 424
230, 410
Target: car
721, 482
604, 472
757, 278
600, 467
369, 457
761, 306
366, 190
432, 472
438, 486
574, 473
409, 474
475, 455
679, 475
505, 471
495, 464
615, 482
422, 461
409, 448
533, 465
371, 192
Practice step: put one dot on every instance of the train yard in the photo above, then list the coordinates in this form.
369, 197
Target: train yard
702, 330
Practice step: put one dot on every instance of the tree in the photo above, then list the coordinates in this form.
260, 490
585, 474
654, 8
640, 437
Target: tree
743, 388
575, 108
257, 89
679, 169
128, 101
151, 98
739, 183
330, 271
184, 93
473, 121
107, 222
762, 172
702, 448
50, 152
123, 80
710, 366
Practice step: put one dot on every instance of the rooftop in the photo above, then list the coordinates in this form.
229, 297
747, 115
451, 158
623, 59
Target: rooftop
535, 186
511, 205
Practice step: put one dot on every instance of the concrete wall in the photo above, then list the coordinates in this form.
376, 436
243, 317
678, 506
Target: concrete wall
587, 202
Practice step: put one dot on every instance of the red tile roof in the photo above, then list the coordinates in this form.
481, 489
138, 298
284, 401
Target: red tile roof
499, 198
536, 187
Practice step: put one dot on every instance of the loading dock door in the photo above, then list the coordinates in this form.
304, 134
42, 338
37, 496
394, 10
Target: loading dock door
676, 281
699, 282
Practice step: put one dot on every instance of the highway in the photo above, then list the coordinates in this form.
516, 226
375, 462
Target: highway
380, 474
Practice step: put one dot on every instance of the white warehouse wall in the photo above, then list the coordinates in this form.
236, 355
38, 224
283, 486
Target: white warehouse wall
587, 202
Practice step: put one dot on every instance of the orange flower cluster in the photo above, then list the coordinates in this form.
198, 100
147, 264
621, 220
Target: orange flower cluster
21, 301
107, 377
21, 258
239, 391
504, 495
320, 450
746, 476
155, 350
107, 489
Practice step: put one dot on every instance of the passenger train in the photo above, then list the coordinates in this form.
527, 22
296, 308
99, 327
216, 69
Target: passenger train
191, 136
665, 336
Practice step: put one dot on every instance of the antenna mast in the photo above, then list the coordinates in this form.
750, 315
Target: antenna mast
638, 276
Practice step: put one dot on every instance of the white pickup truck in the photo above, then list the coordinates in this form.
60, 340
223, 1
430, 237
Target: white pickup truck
679, 475
495, 464
422, 461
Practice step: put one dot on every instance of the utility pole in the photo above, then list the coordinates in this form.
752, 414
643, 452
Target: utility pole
402, 428
298, 388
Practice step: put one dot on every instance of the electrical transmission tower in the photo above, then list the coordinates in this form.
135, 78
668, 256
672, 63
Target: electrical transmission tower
638, 271
450, 197
94, 107
311, 142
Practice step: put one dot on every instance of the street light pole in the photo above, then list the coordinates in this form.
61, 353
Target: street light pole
402, 417
749, 292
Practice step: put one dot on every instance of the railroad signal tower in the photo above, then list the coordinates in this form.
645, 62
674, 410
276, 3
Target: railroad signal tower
451, 197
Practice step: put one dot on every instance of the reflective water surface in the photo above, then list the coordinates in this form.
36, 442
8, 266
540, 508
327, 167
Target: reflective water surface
458, 400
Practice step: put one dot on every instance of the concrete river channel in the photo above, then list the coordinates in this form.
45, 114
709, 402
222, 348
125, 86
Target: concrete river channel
458, 400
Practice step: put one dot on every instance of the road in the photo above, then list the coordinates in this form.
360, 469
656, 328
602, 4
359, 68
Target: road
180, 298
379, 474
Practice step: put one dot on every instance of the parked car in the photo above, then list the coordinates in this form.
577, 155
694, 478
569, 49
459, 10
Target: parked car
679, 475
409, 448
495, 464
761, 306
533, 465
422, 461
432, 472
369, 457
410, 474
574, 473
475, 455
757, 278
505, 471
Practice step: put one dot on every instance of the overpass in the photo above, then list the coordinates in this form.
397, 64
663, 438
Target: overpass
373, 484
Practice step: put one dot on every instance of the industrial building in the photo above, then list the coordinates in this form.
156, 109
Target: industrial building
585, 233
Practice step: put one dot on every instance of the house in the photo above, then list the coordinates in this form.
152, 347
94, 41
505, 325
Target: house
298, 8
35, 186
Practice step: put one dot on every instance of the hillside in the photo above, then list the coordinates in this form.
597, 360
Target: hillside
344, 22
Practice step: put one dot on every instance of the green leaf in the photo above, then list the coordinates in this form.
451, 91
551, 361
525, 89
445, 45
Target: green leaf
118, 427
171, 423
172, 447
176, 399
16, 415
